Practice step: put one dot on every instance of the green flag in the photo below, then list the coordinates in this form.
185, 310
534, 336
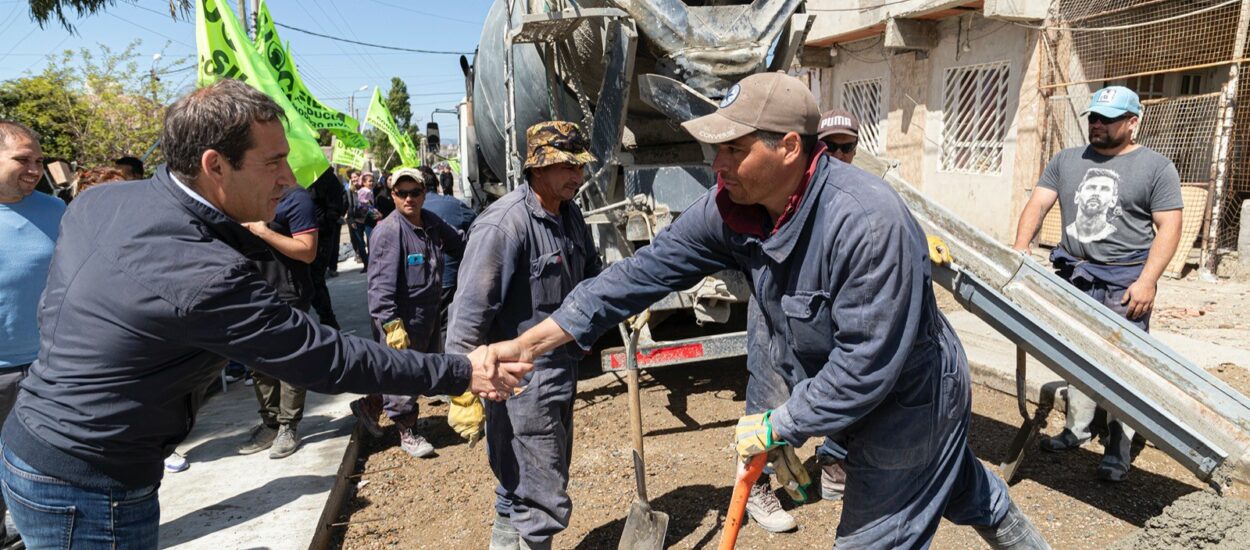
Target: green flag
278, 57
454, 165
225, 52
380, 117
346, 155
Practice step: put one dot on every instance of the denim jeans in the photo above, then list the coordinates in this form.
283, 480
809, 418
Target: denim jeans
51, 513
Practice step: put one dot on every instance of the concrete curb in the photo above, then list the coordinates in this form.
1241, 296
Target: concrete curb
339, 493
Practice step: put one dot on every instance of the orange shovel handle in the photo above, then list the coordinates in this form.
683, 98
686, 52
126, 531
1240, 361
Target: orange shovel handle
738, 504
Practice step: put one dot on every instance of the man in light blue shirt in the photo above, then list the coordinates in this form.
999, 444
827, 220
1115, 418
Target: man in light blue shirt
29, 224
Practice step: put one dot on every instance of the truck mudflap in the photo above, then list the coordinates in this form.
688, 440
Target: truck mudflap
678, 352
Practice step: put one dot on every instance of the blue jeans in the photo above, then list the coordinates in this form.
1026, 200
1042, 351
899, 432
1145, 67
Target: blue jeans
51, 513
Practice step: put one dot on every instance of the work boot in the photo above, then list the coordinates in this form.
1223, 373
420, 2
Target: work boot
414, 444
764, 507
1014, 532
1117, 457
503, 536
366, 416
832, 481
1065, 441
260, 439
286, 442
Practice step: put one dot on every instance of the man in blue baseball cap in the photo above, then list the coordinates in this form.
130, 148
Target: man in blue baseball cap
1121, 209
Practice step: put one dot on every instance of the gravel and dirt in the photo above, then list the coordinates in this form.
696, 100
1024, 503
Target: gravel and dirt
688, 415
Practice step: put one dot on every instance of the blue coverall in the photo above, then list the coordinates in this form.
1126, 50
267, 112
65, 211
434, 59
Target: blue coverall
845, 294
521, 261
406, 283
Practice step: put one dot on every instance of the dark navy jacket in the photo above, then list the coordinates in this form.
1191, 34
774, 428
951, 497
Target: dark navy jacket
406, 272
519, 265
457, 215
147, 291
844, 289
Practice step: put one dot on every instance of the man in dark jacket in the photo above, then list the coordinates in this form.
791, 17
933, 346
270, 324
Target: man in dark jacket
140, 309
840, 271
458, 215
330, 199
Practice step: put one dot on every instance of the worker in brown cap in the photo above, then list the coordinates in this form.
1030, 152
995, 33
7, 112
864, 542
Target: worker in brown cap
839, 131
841, 274
525, 253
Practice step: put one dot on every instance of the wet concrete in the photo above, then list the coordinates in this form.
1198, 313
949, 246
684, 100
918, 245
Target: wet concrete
1200, 520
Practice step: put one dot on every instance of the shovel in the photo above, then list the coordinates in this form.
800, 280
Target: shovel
738, 503
644, 528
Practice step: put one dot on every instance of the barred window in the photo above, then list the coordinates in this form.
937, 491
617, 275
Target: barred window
974, 118
863, 99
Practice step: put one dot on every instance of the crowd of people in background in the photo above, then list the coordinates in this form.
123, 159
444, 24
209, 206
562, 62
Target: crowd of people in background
223, 268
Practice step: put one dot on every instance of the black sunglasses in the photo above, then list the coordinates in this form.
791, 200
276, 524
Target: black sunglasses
1095, 117
403, 194
845, 147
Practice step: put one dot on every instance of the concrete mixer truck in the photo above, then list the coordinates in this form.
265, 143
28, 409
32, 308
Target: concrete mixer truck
618, 68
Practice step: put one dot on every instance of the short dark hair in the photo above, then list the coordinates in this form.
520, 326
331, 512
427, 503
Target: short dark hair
431, 177
217, 117
133, 163
773, 140
10, 129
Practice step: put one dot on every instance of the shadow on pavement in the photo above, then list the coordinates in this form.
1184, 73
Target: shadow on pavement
240, 508
226, 445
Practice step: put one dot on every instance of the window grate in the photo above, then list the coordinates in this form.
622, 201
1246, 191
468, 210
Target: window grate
863, 99
974, 118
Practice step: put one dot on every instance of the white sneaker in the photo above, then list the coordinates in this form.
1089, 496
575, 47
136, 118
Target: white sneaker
414, 444
764, 507
175, 463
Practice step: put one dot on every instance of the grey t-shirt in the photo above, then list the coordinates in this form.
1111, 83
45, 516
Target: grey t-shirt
1106, 202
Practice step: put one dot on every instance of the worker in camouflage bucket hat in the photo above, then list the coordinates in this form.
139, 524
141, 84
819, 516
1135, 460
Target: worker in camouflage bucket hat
555, 142
526, 252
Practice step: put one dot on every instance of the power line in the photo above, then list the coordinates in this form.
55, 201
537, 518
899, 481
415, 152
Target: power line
396, 48
428, 14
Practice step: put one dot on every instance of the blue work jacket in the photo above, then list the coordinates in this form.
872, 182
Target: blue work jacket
844, 289
406, 272
519, 264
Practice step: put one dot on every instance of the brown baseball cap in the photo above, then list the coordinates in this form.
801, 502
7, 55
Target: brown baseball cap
838, 121
773, 102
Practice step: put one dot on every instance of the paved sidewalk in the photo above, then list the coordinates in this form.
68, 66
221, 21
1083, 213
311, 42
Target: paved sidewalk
225, 500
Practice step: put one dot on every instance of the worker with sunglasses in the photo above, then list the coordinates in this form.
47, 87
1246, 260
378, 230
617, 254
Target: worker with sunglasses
405, 288
839, 130
1120, 204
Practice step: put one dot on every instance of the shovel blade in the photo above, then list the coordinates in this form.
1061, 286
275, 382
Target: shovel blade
644, 529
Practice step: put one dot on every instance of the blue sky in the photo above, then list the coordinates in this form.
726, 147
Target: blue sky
331, 69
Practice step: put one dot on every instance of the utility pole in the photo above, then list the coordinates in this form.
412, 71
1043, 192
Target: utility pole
243, 18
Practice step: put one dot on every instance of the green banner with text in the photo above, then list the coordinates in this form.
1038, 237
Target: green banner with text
346, 155
224, 51
278, 57
380, 117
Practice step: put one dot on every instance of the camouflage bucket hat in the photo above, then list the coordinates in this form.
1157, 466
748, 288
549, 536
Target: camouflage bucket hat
555, 142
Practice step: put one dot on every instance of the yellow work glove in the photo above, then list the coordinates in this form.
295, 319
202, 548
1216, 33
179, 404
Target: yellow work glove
396, 336
939, 253
790, 472
467, 416
754, 435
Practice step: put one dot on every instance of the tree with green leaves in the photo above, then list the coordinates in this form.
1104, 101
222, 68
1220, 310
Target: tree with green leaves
45, 11
93, 105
